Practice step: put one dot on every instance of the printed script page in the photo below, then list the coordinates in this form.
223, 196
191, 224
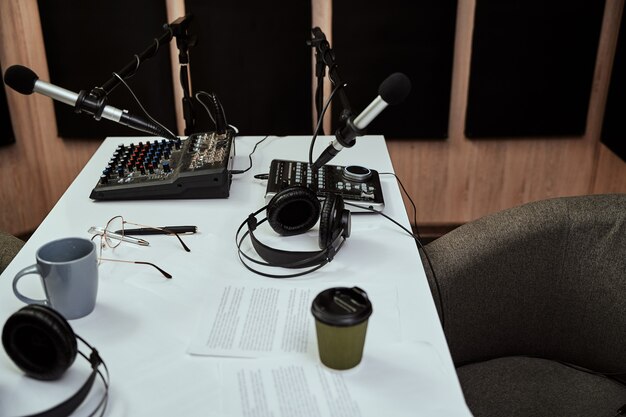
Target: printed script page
272, 320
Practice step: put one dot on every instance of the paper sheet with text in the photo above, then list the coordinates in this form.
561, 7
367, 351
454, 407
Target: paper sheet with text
269, 319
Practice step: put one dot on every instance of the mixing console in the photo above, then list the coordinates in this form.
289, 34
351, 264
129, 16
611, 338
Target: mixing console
357, 185
196, 167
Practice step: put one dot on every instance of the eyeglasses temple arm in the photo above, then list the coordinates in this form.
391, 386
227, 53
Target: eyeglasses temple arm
165, 274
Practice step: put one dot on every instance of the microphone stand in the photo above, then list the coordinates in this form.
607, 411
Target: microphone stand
96, 99
325, 57
183, 42
320, 73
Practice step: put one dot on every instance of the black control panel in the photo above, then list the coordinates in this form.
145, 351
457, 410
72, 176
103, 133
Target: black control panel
196, 167
357, 185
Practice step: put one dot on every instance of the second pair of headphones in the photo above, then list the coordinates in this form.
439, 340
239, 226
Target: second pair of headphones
42, 344
293, 211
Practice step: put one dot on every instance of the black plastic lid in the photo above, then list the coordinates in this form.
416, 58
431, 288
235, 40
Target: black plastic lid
342, 306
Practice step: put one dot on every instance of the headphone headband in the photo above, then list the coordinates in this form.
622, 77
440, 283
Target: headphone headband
334, 230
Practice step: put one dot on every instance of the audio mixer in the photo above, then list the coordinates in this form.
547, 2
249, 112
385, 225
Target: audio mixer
196, 167
357, 185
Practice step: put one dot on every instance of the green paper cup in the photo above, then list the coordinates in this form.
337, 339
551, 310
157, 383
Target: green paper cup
341, 316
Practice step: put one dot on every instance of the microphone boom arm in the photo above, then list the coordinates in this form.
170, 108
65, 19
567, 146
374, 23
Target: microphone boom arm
96, 99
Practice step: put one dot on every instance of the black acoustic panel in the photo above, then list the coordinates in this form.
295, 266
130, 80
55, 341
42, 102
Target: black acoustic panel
532, 67
86, 41
7, 136
614, 126
373, 40
255, 58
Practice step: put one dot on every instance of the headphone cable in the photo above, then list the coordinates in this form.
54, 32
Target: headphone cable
318, 127
415, 236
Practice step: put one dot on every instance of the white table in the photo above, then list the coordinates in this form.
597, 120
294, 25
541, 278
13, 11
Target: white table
143, 324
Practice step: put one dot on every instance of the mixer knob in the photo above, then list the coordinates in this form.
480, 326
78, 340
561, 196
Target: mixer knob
166, 167
104, 179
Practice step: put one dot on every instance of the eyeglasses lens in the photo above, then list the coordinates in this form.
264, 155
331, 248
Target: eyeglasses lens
114, 231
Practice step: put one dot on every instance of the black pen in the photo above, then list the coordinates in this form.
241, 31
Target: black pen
159, 231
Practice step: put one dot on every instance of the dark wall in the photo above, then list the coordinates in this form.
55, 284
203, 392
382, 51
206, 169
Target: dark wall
7, 136
255, 58
614, 127
86, 41
372, 41
532, 67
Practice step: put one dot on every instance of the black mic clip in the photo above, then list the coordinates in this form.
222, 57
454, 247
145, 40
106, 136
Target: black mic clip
90, 103
319, 40
184, 41
346, 135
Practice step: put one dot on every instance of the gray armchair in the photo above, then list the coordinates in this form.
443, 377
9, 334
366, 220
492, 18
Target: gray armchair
533, 304
9, 247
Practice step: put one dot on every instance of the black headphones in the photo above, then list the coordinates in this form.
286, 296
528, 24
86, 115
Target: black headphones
42, 344
293, 211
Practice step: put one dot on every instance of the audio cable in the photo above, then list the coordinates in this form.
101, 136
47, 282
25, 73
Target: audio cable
241, 171
140, 105
415, 236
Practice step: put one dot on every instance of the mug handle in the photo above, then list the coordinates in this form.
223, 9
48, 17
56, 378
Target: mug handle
28, 270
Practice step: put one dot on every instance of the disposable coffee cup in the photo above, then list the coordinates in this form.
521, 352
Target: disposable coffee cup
69, 275
341, 316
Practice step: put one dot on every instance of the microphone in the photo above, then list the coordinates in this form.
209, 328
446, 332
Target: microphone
25, 81
393, 90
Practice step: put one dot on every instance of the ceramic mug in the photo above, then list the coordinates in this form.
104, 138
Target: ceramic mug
69, 274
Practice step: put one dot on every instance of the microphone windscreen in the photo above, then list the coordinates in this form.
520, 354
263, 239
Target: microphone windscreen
20, 78
395, 88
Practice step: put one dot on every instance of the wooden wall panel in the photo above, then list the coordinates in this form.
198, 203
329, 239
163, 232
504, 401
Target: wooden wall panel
38, 168
452, 181
611, 173
459, 180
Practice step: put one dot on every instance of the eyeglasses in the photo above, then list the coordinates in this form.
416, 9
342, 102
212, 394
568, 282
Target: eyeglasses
113, 235
114, 232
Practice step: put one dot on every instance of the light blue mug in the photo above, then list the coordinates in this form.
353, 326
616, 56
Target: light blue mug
69, 274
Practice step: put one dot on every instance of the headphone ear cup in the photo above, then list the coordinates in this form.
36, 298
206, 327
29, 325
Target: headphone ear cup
330, 220
293, 211
40, 342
